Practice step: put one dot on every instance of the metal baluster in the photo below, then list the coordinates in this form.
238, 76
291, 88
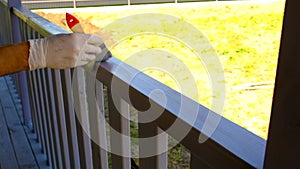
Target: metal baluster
42, 113
70, 119
99, 155
80, 105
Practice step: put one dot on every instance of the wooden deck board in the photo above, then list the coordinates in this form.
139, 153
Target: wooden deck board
22, 148
7, 155
17, 148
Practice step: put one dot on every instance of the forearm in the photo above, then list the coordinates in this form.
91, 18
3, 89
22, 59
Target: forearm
14, 58
57, 52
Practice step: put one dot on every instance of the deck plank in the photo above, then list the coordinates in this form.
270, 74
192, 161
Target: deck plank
7, 155
36, 146
22, 148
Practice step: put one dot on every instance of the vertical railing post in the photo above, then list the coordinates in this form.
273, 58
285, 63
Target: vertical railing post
153, 150
80, 105
283, 148
74, 3
16, 36
70, 119
120, 131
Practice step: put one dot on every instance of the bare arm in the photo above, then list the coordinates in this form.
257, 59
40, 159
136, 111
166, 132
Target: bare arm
14, 58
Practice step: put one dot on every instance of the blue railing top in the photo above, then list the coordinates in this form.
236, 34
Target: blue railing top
40, 24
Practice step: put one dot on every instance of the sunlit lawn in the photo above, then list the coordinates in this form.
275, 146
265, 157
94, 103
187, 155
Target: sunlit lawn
245, 36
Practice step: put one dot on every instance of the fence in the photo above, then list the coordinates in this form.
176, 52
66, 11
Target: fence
81, 3
69, 143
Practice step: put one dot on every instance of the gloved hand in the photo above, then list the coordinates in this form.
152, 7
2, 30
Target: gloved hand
63, 51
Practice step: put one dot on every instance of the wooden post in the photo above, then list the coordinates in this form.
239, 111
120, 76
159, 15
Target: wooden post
16, 36
283, 144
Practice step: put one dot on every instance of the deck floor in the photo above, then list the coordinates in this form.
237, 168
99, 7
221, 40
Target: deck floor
19, 148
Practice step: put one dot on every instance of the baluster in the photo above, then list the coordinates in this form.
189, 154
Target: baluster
48, 112
82, 124
38, 112
119, 123
35, 128
58, 99
153, 145
70, 120
57, 161
97, 124
43, 119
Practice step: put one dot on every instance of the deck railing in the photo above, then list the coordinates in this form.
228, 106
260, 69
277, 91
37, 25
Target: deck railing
70, 134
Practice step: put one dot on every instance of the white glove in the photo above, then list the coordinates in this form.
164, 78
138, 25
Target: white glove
63, 51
